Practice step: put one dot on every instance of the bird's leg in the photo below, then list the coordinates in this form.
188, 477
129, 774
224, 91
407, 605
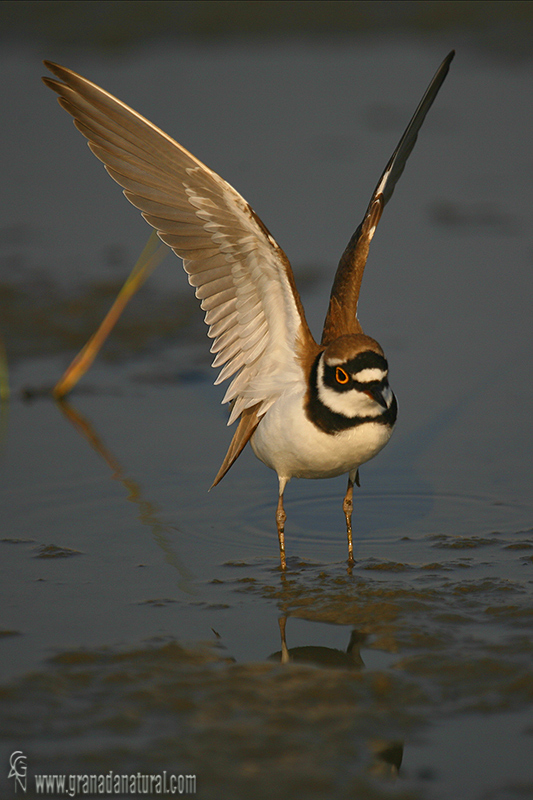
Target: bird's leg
347, 507
280, 522
285, 657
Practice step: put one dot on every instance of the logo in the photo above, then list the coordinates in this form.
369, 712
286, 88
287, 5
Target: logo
19, 769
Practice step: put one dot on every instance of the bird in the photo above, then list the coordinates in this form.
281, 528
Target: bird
309, 410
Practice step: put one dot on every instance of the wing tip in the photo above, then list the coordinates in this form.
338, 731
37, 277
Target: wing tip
55, 69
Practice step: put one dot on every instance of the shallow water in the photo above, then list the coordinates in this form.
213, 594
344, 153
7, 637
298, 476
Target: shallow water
142, 617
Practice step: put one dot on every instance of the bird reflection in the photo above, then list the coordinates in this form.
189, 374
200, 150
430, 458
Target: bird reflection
387, 758
386, 754
321, 656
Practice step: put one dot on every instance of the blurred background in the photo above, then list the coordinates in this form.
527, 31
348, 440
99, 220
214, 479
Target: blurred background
499, 26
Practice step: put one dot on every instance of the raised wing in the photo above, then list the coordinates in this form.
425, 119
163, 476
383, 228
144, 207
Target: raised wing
241, 275
342, 312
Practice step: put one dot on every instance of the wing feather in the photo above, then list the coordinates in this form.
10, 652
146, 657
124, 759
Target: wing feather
240, 274
229, 347
342, 312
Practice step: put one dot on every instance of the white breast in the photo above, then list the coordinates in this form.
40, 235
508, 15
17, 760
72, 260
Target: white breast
288, 442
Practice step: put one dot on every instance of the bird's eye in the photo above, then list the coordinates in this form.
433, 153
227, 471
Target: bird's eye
341, 376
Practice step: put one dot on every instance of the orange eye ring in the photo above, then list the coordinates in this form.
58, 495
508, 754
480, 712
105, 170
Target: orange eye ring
341, 376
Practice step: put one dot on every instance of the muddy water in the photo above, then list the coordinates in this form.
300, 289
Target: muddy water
145, 625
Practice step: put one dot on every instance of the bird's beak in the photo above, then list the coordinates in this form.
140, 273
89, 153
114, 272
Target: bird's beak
376, 393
